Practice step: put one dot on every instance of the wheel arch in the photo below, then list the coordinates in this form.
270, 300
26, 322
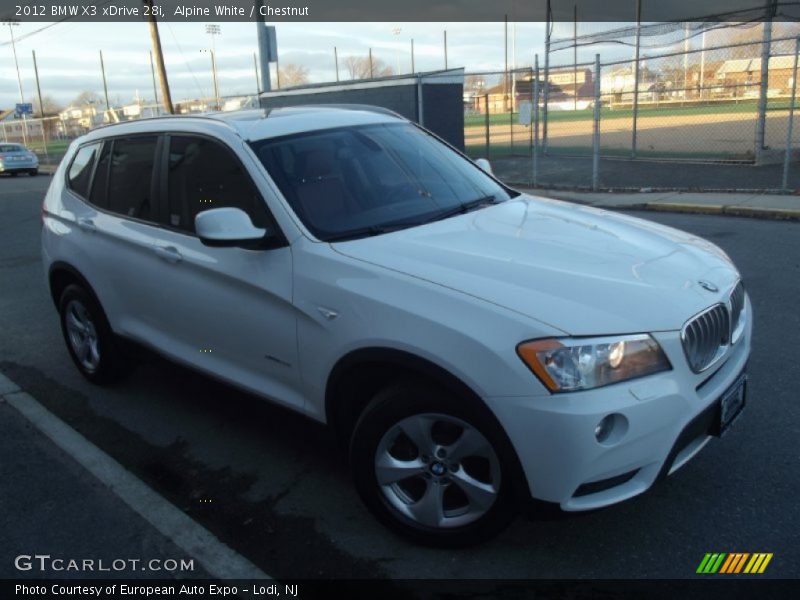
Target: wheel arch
358, 375
60, 275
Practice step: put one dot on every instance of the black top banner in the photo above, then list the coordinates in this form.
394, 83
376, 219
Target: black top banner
399, 10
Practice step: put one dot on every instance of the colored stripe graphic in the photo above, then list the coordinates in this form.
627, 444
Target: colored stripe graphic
758, 563
734, 563
711, 563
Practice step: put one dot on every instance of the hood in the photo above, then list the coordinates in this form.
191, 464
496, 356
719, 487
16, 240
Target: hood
579, 269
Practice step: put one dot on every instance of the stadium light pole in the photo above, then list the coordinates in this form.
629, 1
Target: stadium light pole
214, 30
396, 32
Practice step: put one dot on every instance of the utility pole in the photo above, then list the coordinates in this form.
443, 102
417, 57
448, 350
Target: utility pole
445, 49
41, 105
105, 86
413, 70
38, 88
336, 62
153, 73
166, 97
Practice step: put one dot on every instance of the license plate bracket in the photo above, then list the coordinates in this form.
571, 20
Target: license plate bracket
731, 404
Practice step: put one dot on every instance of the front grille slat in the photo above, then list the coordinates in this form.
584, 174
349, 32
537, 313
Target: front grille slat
737, 308
707, 336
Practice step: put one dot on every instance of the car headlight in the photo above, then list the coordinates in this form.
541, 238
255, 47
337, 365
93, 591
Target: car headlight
571, 364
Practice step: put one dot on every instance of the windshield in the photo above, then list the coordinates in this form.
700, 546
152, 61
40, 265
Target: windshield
357, 181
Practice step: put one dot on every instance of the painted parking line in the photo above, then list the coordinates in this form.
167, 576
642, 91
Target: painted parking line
217, 559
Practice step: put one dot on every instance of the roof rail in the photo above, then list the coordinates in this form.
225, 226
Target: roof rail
365, 107
205, 117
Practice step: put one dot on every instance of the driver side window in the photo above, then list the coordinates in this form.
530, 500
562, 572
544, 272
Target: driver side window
202, 175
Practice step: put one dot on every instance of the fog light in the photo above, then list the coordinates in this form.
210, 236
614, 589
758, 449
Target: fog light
603, 428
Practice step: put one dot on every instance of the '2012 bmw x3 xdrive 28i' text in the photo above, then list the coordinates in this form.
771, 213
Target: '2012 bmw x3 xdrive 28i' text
473, 345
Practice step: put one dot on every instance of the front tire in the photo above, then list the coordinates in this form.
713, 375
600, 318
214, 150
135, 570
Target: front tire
433, 467
90, 341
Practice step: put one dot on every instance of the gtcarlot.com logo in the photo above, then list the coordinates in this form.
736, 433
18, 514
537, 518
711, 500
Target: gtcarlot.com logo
734, 563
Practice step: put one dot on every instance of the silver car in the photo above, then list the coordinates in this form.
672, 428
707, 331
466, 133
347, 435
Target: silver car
16, 158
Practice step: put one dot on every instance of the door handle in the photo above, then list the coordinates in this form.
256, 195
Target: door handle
168, 253
87, 225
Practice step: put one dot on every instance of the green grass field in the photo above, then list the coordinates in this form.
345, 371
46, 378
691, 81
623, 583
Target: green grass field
744, 106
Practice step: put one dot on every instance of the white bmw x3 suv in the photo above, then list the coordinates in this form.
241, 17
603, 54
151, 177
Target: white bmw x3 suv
474, 346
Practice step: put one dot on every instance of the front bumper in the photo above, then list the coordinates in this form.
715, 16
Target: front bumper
664, 420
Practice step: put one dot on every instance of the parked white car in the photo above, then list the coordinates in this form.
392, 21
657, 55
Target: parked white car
475, 346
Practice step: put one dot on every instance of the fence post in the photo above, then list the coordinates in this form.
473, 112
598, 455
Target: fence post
535, 123
636, 77
761, 123
486, 122
546, 93
788, 156
596, 128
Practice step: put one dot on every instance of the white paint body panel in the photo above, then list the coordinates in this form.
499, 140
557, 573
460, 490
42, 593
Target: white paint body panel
461, 293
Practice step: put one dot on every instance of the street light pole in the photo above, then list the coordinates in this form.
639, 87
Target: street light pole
11, 24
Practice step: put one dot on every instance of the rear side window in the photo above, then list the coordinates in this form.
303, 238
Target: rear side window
80, 171
130, 179
99, 192
202, 174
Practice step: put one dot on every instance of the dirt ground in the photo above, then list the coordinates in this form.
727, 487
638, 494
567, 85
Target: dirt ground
723, 135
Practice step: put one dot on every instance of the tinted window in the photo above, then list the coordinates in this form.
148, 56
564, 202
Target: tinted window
356, 179
99, 193
12, 148
203, 175
130, 185
80, 171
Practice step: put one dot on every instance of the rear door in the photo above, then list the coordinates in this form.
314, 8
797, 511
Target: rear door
118, 228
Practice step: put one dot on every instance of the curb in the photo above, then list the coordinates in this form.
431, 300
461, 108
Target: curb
774, 214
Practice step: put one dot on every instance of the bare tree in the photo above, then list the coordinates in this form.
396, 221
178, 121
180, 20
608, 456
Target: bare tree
474, 83
86, 97
293, 75
359, 68
50, 106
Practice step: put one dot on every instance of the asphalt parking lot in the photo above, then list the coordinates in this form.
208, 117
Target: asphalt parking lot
273, 486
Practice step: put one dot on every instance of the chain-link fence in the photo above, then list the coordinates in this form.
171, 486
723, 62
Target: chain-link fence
49, 137
700, 112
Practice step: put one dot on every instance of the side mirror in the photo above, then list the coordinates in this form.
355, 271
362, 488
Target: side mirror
484, 165
225, 227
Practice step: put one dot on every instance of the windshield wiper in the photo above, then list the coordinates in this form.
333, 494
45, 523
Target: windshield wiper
463, 208
372, 230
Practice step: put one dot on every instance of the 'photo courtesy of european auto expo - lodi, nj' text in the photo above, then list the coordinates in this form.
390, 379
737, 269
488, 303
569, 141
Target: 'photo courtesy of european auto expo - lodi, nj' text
312, 298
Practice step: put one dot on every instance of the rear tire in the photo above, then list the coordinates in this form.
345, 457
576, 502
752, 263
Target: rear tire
92, 345
433, 467
13, 173
33, 173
